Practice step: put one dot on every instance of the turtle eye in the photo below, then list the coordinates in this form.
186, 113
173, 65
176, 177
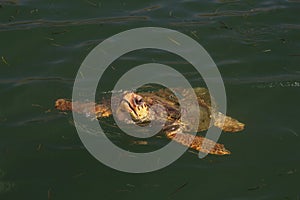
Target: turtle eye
138, 101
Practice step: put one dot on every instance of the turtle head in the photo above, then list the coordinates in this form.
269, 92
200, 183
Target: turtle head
133, 104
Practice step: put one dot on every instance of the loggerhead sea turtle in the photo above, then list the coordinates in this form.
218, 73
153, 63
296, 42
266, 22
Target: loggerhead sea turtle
137, 105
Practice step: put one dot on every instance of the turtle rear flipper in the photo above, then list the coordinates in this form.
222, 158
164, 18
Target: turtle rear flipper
199, 143
226, 123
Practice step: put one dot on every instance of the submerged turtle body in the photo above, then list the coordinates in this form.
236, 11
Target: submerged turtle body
138, 107
139, 103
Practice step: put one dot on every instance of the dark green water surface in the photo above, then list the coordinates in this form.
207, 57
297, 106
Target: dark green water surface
255, 44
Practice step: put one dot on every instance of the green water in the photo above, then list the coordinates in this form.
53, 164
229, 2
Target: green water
255, 45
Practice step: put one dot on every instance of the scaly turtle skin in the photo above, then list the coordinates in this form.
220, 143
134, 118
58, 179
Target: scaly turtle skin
137, 105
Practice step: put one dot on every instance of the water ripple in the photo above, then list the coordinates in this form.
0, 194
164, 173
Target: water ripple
240, 13
28, 80
147, 9
29, 24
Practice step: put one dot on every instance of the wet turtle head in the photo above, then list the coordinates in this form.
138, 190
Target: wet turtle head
134, 104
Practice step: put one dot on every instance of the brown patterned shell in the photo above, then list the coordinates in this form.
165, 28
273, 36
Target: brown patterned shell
168, 99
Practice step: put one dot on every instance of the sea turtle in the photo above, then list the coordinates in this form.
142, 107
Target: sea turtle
137, 104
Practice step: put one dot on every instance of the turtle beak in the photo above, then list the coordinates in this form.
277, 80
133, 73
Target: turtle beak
129, 108
135, 106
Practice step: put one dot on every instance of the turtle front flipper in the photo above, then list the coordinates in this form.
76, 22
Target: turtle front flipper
197, 143
226, 123
87, 108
